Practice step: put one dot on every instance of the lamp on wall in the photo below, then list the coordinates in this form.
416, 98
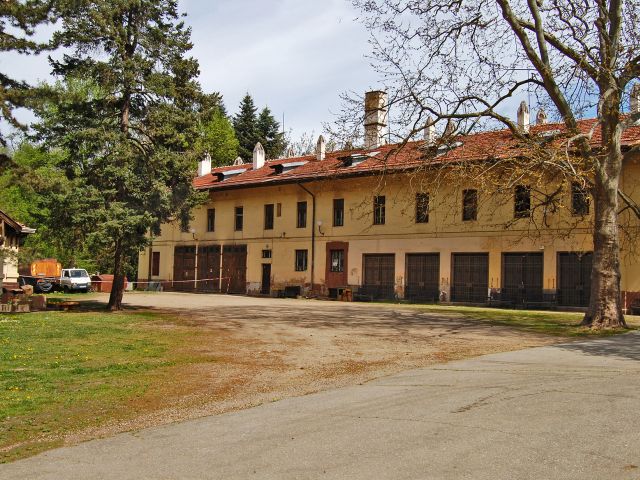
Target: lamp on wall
193, 232
320, 227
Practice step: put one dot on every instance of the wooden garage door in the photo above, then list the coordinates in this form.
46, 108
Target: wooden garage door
234, 269
379, 275
574, 279
470, 277
184, 268
209, 268
423, 277
522, 278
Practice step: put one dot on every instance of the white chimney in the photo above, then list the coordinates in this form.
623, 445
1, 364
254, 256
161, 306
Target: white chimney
258, 156
450, 129
523, 117
541, 117
634, 104
238, 161
204, 165
321, 148
430, 131
375, 119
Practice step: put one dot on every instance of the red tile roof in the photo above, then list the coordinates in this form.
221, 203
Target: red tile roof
479, 146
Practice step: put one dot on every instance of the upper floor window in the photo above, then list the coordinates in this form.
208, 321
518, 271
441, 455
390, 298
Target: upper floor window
422, 207
579, 200
268, 216
301, 260
469, 205
379, 202
522, 201
211, 220
338, 212
302, 215
239, 219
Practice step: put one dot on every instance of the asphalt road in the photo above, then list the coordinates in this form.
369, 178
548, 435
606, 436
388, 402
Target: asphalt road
560, 412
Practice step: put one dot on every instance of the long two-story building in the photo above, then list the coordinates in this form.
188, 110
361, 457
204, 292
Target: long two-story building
367, 219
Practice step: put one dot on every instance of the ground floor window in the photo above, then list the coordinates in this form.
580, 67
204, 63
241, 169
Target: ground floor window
155, 264
301, 260
337, 260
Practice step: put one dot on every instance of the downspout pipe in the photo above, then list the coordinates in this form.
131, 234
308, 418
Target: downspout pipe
313, 232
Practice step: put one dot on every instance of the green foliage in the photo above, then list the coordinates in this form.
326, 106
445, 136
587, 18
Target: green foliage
18, 20
127, 119
245, 124
218, 138
271, 137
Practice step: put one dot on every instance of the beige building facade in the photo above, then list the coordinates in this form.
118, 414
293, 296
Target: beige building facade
12, 235
368, 221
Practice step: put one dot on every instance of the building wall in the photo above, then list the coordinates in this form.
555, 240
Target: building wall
445, 233
8, 255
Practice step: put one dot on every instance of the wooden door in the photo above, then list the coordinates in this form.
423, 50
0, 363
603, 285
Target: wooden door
423, 277
234, 269
470, 272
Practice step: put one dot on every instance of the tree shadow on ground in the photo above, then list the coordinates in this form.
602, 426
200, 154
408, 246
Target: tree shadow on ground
624, 346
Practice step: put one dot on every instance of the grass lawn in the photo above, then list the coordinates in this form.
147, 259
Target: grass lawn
62, 372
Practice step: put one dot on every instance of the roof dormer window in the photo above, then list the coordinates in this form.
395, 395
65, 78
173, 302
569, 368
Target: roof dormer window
286, 167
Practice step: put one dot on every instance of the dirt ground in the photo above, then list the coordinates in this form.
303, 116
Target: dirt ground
268, 349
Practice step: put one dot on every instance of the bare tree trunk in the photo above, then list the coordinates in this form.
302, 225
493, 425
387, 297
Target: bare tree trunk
605, 307
117, 288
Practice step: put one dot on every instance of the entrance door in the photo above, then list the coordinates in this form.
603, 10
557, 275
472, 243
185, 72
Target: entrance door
470, 277
266, 279
379, 275
184, 268
234, 269
423, 277
574, 279
209, 268
522, 278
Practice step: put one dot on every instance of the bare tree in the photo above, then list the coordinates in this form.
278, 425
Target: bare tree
465, 62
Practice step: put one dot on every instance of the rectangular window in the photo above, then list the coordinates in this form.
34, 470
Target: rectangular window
338, 212
301, 260
379, 209
337, 260
579, 200
522, 201
302, 215
278, 209
155, 264
469, 205
266, 253
239, 219
211, 220
422, 208
268, 216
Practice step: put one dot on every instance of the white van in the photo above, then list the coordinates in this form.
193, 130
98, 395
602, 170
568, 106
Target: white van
75, 280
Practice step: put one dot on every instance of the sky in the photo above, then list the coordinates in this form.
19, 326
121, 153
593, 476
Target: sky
295, 56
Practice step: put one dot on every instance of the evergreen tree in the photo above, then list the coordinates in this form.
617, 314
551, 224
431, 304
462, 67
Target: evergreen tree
18, 20
245, 124
129, 136
270, 136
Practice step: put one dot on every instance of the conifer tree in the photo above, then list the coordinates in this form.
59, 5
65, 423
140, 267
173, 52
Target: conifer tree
270, 135
245, 124
129, 135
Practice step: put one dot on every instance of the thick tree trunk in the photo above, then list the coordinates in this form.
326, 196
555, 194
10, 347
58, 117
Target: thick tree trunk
605, 307
117, 288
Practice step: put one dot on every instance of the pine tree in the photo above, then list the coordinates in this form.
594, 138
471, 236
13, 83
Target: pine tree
129, 129
18, 21
270, 135
245, 124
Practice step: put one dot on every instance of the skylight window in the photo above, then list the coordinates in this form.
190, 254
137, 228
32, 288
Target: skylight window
442, 149
286, 167
356, 159
225, 175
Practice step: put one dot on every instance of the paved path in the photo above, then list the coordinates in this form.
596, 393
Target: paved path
561, 412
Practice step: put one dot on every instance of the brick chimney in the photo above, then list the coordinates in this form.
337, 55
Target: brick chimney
523, 117
204, 165
258, 156
375, 119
